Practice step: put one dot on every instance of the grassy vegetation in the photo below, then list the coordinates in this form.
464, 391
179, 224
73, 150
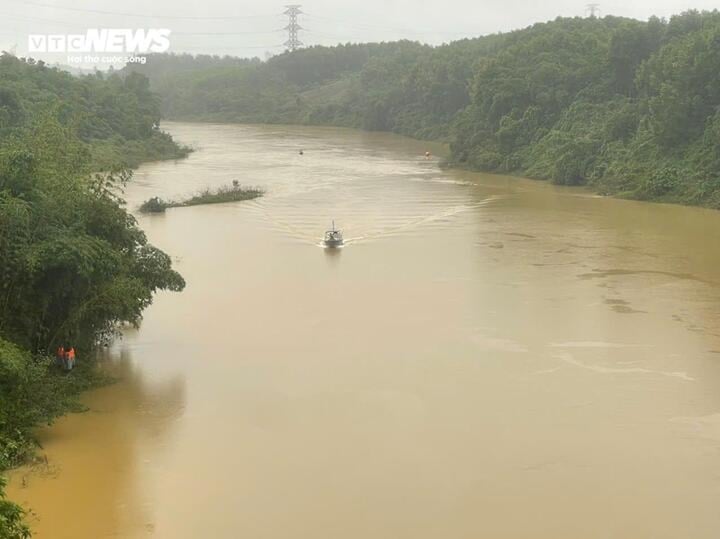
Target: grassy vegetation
229, 193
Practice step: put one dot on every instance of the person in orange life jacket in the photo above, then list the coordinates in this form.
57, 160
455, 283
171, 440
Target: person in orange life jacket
70, 358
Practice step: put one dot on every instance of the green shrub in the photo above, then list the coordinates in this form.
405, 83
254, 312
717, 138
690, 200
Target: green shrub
11, 517
154, 205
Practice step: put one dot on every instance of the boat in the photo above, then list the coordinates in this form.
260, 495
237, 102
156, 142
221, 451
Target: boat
333, 237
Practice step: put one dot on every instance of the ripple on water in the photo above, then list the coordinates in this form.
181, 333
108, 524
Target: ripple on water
570, 360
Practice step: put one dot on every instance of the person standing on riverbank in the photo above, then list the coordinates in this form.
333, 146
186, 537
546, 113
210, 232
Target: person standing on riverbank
67, 359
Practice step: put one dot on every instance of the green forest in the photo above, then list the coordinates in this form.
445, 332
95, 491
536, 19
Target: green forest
73, 263
627, 107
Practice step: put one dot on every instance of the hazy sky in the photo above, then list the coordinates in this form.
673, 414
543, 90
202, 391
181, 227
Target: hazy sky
254, 27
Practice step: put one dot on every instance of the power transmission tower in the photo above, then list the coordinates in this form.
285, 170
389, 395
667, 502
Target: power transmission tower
593, 10
293, 43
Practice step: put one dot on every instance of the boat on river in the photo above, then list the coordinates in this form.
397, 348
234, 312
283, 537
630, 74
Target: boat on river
333, 237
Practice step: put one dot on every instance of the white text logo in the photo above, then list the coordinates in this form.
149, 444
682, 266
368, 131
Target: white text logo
103, 40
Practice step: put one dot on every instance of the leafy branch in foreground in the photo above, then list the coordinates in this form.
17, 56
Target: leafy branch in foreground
227, 193
11, 518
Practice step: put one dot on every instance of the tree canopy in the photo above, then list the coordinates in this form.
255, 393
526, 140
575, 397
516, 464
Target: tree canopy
629, 107
73, 262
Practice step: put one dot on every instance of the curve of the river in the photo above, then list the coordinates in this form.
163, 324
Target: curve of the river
488, 357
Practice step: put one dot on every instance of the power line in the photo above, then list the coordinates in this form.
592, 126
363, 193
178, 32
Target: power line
233, 48
361, 26
230, 50
226, 33
143, 15
77, 25
292, 12
293, 43
293, 28
38, 19
324, 34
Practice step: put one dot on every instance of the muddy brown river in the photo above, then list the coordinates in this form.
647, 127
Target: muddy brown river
487, 357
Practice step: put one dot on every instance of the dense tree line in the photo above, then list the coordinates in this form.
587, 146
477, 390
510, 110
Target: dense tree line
629, 107
73, 263
117, 115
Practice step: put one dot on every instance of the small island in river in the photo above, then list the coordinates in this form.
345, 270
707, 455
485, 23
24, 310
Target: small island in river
228, 193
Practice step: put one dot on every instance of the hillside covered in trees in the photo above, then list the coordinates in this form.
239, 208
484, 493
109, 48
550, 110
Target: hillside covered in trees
628, 107
115, 117
73, 263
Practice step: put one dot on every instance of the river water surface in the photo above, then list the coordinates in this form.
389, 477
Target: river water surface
488, 357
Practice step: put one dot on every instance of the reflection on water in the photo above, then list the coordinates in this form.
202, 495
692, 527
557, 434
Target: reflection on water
92, 460
486, 357
332, 255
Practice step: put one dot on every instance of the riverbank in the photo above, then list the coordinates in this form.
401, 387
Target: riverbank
132, 153
34, 392
638, 183
74, 264
626, 107
480, 338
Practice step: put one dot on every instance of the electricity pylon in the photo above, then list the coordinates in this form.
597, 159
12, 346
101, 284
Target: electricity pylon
293, 43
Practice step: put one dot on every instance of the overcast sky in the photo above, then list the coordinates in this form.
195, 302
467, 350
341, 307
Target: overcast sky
254, 27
